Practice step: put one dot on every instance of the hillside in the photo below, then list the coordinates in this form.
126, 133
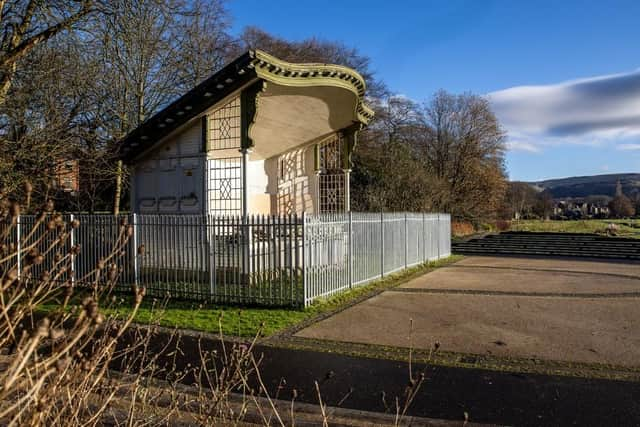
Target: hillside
595, 185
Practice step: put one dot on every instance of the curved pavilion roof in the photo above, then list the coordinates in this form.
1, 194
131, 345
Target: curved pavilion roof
252, 66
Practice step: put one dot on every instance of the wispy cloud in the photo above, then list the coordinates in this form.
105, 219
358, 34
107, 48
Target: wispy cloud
522, 146
598, 110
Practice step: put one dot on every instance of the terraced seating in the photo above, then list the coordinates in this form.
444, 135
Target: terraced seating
551, 244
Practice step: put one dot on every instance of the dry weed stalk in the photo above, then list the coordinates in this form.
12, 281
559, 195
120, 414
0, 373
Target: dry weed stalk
55, 365
229, 385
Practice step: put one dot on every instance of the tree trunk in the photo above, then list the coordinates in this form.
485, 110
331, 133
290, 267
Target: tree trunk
118, 192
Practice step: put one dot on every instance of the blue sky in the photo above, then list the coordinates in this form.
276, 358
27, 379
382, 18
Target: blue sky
563, 76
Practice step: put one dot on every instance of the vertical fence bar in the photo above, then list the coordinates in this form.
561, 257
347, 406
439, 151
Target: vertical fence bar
350, 250
438, 226
406, 241
134, 250
304, 260
381, 244
211, 234
424, 238
72, 242
19, 245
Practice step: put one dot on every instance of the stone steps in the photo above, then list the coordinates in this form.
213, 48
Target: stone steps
551, 244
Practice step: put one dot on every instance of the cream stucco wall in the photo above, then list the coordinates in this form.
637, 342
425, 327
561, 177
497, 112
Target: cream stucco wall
169, 179
268, 190
186, 174
293, 181
289, 117
258, 196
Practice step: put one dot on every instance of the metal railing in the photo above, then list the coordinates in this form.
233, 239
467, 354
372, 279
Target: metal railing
343, 251
288, 260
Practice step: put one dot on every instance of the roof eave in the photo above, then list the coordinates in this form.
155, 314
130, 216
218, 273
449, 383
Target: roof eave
231, 78
251, 65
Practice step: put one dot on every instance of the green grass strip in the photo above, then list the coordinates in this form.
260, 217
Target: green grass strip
249, 321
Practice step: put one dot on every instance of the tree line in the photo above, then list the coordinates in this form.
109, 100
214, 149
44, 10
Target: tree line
523, 201
75, 77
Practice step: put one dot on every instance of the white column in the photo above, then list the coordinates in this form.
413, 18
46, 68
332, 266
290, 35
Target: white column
347, 190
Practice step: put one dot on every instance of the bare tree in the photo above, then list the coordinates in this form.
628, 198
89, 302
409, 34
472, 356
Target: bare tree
40, 127
204, 44
153, 51
25, 24
463, 146
387, 171
445, 155
544, 204
74, 97
621, 207
519, 201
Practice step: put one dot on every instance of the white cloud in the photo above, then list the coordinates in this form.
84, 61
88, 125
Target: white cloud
522, 146
593, 111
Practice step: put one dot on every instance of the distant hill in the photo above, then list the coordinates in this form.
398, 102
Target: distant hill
595, 185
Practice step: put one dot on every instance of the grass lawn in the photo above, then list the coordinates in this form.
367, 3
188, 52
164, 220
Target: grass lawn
247, 321
626, 227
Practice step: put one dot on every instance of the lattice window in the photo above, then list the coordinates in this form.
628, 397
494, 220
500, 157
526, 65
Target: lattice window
291, 165
332, 194
331, 154
224, 126
225, 186
286, 200
331, 180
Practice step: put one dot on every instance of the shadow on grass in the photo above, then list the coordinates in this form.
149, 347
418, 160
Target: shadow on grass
247, 321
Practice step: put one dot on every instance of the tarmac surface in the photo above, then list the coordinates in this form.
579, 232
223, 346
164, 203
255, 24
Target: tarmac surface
551, 309
556, 309
488, 397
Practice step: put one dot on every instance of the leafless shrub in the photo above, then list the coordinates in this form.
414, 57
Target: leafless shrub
415, 382
55, 364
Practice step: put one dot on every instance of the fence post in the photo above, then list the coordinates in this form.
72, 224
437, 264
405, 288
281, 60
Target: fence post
304, 260
136, 267
72, 242
246, 248
438, 236
19, 246
424, 238
211, 234
381, 244
350, 250
406, 241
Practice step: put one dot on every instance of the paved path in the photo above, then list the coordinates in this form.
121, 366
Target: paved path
581, 311
359, 383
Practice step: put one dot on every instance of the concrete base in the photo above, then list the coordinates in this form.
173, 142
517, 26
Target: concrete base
589, 312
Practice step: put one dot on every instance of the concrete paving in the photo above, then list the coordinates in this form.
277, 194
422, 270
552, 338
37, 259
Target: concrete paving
516, 280
541, 263
589, 311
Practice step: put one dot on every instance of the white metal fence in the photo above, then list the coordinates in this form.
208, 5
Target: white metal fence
267, 260
347, 250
